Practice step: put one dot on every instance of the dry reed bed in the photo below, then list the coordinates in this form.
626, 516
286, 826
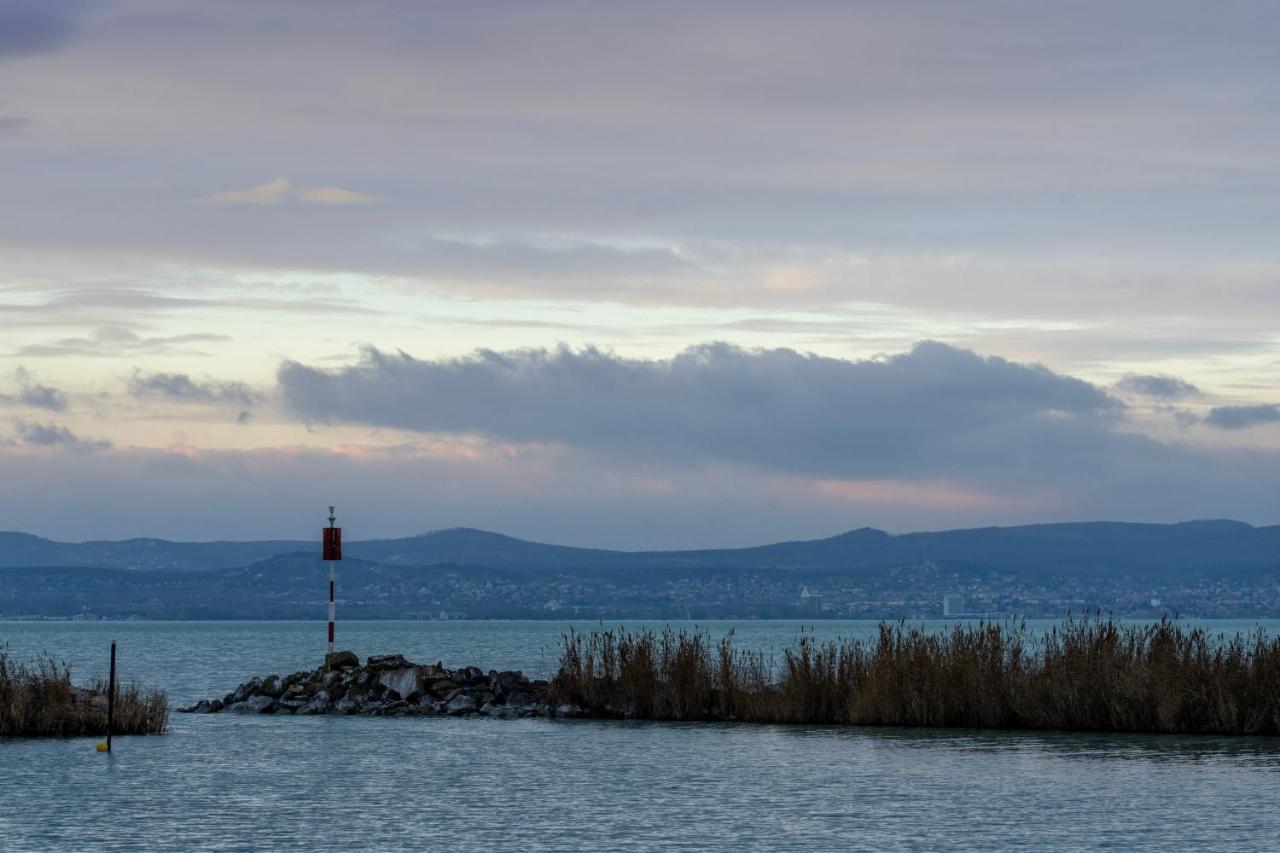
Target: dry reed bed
1086, 674
38, 700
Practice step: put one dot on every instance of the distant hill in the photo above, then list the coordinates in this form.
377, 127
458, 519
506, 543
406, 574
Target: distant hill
23, 549
1080, 549
1208, 568
464, 545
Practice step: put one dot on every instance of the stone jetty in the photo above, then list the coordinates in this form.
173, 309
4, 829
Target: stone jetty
389, 686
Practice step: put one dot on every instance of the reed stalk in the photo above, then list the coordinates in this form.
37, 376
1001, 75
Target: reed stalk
38, 700
1087, 674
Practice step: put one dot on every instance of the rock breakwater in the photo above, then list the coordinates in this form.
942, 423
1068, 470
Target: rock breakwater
389, 685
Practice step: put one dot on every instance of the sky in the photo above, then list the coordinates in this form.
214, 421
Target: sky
636, 275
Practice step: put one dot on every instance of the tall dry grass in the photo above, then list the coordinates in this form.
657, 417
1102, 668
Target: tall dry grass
38, 700
1087, 674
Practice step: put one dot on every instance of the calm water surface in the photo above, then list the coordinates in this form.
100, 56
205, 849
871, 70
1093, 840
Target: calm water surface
326, 783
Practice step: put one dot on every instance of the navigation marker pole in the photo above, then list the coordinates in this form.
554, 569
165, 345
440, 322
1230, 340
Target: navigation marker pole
332, 553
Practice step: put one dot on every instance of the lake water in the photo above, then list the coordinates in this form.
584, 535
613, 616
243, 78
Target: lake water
328, 783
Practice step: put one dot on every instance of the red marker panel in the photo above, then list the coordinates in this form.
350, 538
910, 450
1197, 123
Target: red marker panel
333, 543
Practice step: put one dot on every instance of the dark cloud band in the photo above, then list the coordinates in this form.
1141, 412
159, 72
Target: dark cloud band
1242, 417
180, 386
1158, 386
933, 411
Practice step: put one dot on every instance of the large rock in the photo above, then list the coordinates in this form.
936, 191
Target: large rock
520, 699
340, 660
254, 705
272, 687
244, 691
501, 682
444, 687
206, 706
319, 704
461, 704
262, 704
387, 662
407, 683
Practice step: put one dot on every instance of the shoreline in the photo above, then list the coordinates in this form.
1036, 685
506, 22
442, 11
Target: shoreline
1097, 674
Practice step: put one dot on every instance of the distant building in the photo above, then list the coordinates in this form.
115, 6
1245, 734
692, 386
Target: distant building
953, 605
810, 602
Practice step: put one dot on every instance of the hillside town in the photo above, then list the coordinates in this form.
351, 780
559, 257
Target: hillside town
292, 588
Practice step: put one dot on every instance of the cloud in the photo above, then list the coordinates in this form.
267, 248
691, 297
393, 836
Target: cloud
335, 195
31, 27
115, 341
1242, 417
935, 411
715, 446
754, 137
272, 492
51, 435
281, 190
272, 192
126, 306
37, 395
180, 386
549, 493
12, 124
1157, 385
44, 397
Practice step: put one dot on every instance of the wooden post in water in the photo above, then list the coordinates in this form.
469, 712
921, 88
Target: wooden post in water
111, 695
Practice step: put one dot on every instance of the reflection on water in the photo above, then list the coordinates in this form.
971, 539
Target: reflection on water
1259, 751
235, 782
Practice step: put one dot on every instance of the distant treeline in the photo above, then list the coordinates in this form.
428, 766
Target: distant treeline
38, 699
1085, 675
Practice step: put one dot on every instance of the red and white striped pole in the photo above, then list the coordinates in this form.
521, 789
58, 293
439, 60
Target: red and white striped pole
332, 553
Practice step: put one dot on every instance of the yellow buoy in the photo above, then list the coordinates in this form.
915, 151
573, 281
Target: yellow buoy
102, 746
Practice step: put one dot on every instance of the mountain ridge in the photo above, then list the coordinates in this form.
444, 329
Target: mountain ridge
1079, 547
1207, 568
